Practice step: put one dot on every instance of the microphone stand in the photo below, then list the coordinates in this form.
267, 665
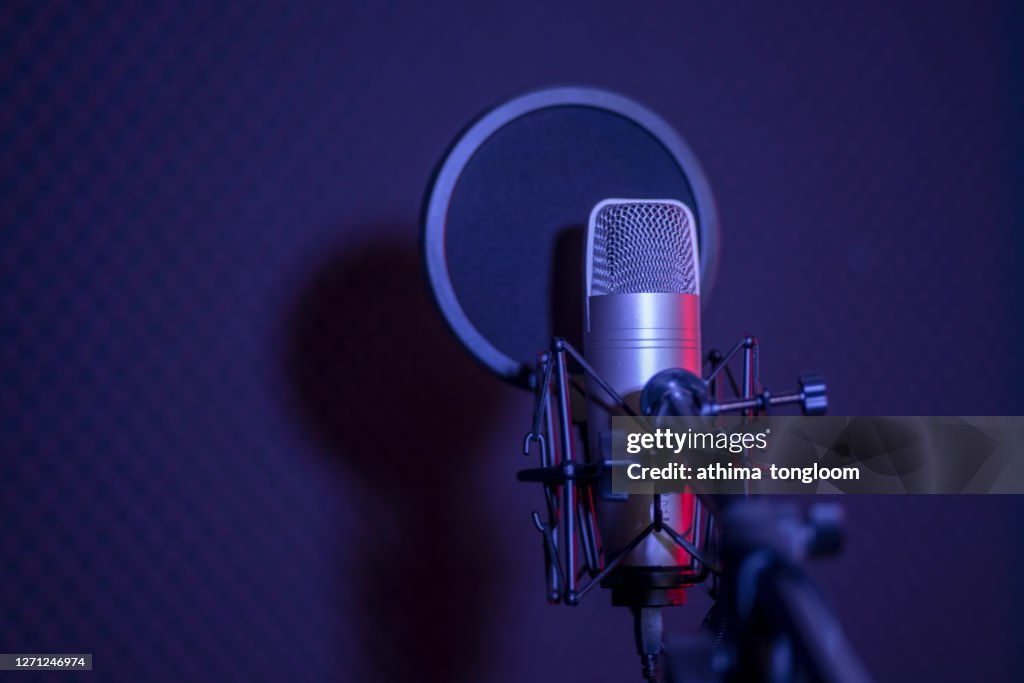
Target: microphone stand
770, 623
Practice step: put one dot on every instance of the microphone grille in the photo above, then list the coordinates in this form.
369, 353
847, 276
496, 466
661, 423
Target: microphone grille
642, 246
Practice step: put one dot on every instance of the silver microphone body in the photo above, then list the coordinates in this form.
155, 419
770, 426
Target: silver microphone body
632, 334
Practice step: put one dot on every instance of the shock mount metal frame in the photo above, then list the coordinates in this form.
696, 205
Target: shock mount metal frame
569, 482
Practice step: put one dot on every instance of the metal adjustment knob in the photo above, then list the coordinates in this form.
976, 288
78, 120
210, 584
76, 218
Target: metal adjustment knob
813, 400
826, 525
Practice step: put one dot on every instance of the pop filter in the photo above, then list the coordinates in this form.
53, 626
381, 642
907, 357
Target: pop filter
505, 211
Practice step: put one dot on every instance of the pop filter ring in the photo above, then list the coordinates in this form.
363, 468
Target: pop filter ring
446, 177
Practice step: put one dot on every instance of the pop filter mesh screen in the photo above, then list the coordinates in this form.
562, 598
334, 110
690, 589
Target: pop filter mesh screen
515, 224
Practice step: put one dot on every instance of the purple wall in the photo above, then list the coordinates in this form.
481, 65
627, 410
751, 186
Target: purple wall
210, 294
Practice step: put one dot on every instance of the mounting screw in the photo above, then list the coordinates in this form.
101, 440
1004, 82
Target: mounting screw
764, 400
569, 469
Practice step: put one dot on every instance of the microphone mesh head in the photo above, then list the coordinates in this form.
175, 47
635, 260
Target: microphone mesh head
643, 246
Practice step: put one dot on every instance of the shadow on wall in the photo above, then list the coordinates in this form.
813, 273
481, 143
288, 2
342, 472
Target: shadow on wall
384, 387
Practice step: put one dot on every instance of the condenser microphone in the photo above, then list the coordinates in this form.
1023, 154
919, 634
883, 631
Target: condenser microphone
641, 317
